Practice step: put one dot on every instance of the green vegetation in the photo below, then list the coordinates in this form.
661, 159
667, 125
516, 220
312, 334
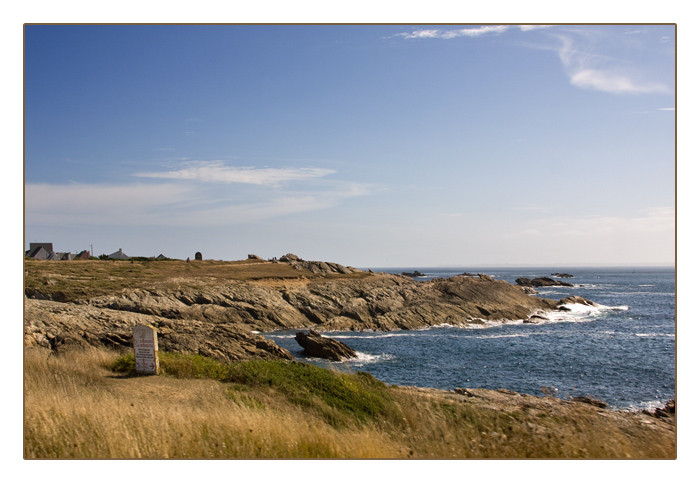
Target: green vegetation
340, 399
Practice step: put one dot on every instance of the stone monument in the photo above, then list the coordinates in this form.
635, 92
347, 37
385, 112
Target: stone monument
198, 256
146, 349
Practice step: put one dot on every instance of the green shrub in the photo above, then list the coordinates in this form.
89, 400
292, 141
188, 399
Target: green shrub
337, 397
359, 396
125, 364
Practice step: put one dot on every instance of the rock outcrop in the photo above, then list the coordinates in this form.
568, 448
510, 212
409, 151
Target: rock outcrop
61, 327
589, 400
315, 345
224, 321
575, 299
413, 274
541, 282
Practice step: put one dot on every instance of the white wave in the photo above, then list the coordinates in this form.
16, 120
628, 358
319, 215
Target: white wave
655, 335
502, 336
381, 335
363, 358
577, 313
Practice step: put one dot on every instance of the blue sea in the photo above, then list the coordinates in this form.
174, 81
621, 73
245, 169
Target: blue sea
623, 353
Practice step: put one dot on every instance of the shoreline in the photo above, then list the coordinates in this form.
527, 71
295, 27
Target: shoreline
230, 321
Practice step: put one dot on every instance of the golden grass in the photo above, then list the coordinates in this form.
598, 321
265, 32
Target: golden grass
75, 407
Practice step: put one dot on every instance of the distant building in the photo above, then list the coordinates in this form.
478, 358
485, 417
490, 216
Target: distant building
47, 246
44, 251
39, 253
119, 254
161, 257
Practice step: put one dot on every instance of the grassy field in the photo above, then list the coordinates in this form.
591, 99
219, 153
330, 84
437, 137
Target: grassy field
90, 404
81, 279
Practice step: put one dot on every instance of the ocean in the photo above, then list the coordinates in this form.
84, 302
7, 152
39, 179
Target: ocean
623, 353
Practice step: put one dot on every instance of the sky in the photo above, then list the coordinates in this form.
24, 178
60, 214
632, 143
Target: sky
368, 145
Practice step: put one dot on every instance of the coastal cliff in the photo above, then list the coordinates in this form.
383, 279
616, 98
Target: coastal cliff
224, 319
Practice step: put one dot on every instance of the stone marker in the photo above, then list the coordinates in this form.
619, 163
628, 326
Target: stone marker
146, 349
198, 256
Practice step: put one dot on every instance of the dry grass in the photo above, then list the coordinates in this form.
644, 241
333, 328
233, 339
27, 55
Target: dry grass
76, 407
82, 279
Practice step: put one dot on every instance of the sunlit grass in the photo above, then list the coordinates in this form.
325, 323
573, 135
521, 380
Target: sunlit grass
90, 405
82, 279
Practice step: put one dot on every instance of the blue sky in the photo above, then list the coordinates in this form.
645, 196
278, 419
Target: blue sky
368, 145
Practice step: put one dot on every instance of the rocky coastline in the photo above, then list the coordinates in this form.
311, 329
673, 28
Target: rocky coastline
226, 321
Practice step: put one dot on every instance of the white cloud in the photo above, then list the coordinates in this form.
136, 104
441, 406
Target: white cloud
454, 33
588, 67
85, 204
593, 59
528, 28
613, 82
172, 204
466, 32
667, 109
218, 172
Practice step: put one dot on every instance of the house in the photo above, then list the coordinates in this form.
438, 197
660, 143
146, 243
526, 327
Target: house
46, 246
39, 253
119, 254
44, 251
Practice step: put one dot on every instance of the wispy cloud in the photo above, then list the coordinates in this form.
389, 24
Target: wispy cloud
99, 203
613, 82
594, 59
601, 62
184, 204
465, 32
451, 34
218, 172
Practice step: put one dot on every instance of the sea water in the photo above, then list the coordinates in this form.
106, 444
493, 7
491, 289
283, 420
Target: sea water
622, 353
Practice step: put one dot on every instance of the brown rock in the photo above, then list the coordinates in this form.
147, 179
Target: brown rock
315, 345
